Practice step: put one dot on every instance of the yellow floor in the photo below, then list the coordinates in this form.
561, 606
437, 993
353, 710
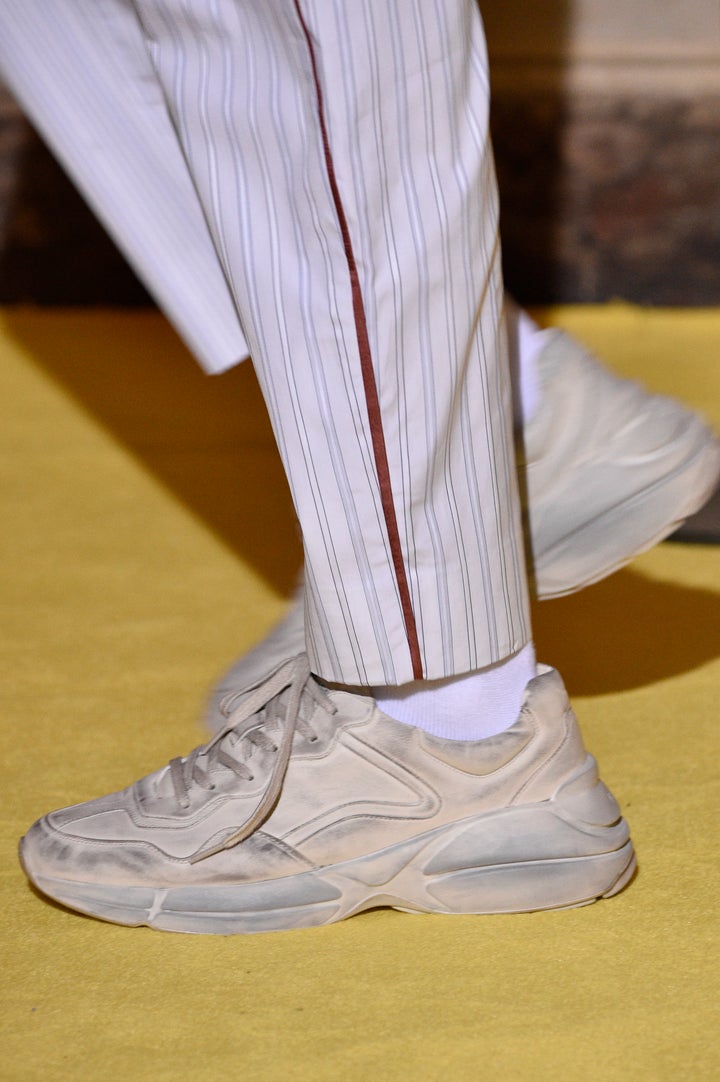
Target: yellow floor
147, 538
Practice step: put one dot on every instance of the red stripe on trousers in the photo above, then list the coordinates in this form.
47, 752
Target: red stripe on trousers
368, 377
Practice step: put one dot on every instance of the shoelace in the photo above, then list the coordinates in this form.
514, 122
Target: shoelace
196, 769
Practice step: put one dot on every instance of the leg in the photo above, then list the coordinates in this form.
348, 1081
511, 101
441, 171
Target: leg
313, 803
358, 227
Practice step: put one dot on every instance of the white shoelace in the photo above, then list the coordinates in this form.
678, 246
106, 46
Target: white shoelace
283, 698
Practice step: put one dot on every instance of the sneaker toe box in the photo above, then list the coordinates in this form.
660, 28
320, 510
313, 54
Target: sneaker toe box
57, 850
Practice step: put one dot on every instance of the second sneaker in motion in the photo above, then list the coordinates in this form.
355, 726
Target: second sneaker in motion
608, 470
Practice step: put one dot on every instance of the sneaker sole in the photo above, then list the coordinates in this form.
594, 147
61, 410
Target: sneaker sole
612, 539
516, 860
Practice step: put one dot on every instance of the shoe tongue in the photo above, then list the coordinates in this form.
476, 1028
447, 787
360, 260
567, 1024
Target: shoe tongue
272, 717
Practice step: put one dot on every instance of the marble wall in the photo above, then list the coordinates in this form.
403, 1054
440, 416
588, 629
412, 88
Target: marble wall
610, 196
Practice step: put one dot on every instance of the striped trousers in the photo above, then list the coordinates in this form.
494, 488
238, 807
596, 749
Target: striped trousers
338, 154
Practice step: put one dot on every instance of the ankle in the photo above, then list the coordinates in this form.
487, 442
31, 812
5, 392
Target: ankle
467, 707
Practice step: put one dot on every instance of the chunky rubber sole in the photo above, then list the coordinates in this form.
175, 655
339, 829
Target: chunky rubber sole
557, 854
615, 536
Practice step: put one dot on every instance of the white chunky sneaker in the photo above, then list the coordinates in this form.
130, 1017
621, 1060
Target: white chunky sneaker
313, 805
606, 471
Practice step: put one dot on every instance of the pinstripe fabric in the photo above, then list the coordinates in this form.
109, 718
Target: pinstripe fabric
238, 135
82, 72
405, 92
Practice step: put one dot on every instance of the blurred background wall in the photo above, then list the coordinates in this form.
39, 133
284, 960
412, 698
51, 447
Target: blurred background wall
607, 133
606, 120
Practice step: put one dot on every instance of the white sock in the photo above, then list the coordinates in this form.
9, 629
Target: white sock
525, 341
468, 707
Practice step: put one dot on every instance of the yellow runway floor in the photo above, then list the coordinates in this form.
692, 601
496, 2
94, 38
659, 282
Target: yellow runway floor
147, 538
